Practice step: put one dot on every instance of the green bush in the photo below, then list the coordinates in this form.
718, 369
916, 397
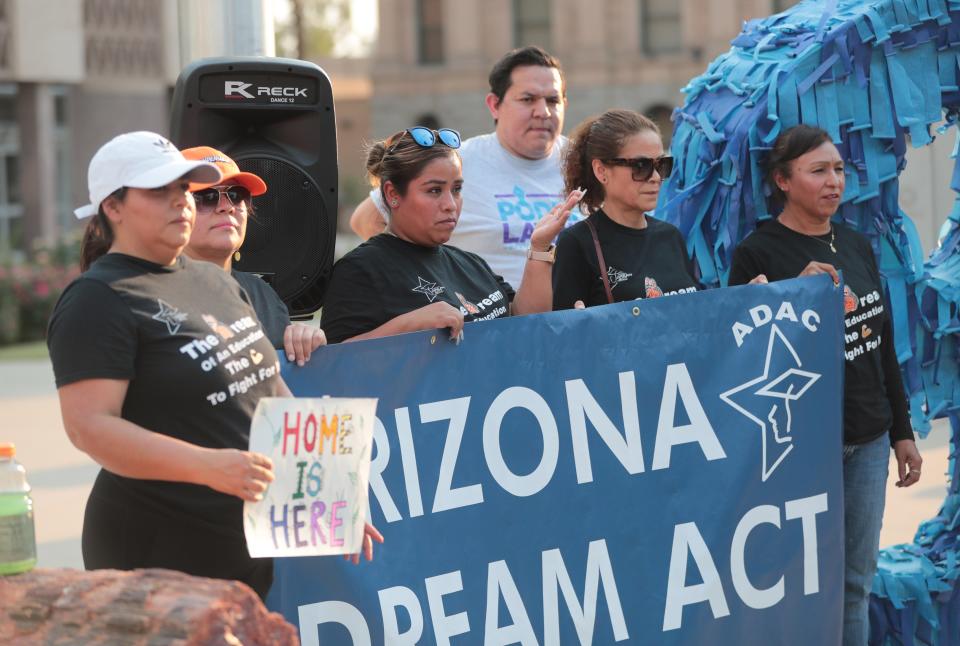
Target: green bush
29, 290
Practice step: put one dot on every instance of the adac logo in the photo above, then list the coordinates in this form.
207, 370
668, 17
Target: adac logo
850, 300
650, 288
236, 90
169, 315
428, 289
766, 399
467, 305
615, 277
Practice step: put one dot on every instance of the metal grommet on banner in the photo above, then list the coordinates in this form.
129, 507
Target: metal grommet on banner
636, 311
433, 339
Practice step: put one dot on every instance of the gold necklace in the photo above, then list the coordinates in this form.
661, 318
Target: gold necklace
833, 236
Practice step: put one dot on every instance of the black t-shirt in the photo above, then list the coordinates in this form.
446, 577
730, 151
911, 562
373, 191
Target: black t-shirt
386, 277
273, 314
641, 263
873, 397
196, 359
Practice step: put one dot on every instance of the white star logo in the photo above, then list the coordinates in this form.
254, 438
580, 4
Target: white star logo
428, 289
169, 315
777, 393
615, 277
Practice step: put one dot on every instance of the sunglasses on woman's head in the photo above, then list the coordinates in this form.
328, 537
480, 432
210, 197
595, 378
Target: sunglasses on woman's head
209, 198
643, 167
427, 138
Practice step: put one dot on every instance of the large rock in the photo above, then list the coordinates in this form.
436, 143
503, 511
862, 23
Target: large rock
139, 608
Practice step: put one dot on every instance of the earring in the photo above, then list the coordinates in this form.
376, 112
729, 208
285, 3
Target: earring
395, 204
236, 255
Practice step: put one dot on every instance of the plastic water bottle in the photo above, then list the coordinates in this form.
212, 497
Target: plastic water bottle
18, 543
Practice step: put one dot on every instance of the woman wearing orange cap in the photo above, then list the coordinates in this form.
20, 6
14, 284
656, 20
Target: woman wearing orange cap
220, 229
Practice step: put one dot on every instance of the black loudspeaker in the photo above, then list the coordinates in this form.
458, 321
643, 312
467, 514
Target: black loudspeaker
275, 118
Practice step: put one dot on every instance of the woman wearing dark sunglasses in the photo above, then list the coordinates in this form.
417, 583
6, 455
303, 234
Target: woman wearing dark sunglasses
619, 253
221, 226
407, 279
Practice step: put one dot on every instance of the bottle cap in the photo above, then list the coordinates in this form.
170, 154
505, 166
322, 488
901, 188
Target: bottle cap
7, 450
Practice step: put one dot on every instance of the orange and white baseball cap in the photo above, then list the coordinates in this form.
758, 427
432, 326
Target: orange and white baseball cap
140, 160
230, 172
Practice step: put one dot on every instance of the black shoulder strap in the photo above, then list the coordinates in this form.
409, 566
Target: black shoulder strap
600, 260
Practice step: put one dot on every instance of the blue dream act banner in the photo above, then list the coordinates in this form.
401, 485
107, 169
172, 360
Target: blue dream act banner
664, 471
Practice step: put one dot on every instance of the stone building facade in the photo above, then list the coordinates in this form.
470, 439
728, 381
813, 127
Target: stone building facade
432, 57
74, 73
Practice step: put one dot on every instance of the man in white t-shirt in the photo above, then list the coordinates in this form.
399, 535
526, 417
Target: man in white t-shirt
512, 175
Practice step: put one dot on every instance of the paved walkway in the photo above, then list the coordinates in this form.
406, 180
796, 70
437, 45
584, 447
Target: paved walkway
62, 476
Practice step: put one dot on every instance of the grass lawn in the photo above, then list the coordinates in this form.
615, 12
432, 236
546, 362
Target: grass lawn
24, 351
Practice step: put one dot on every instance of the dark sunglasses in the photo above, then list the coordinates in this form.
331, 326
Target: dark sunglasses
427, 138
209, 198
643, 167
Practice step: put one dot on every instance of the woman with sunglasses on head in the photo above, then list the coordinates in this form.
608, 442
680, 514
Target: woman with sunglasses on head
806, 173
619, 252
222, 213
137, 345
407, 279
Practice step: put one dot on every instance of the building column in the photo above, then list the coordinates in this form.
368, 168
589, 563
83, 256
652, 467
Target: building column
38, 164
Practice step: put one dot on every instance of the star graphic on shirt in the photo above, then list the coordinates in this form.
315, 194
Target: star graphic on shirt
615, 277
169, 315
428, 289
766, 400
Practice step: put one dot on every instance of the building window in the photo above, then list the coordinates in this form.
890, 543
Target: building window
11, 204
63, 153
430, 24
777, 6
660, 27
531, 23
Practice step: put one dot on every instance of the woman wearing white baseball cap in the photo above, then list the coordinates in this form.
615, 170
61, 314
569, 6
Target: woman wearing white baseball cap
147, 347
138, 160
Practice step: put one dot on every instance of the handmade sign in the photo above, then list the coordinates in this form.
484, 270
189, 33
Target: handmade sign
664, 471
321, 457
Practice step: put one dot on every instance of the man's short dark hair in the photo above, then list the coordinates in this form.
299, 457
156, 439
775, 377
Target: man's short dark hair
521, 57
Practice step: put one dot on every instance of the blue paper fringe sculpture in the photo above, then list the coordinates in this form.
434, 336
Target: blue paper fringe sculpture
871, 74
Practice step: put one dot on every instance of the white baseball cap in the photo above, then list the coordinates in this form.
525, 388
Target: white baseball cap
140, 160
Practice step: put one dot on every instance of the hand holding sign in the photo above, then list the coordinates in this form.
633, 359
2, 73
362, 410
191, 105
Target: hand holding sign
317, 505
243, 474
370, 534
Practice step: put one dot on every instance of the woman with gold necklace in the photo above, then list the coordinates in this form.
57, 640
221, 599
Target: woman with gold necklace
806, 173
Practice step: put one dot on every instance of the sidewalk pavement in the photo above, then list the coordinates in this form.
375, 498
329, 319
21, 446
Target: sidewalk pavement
62, 476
